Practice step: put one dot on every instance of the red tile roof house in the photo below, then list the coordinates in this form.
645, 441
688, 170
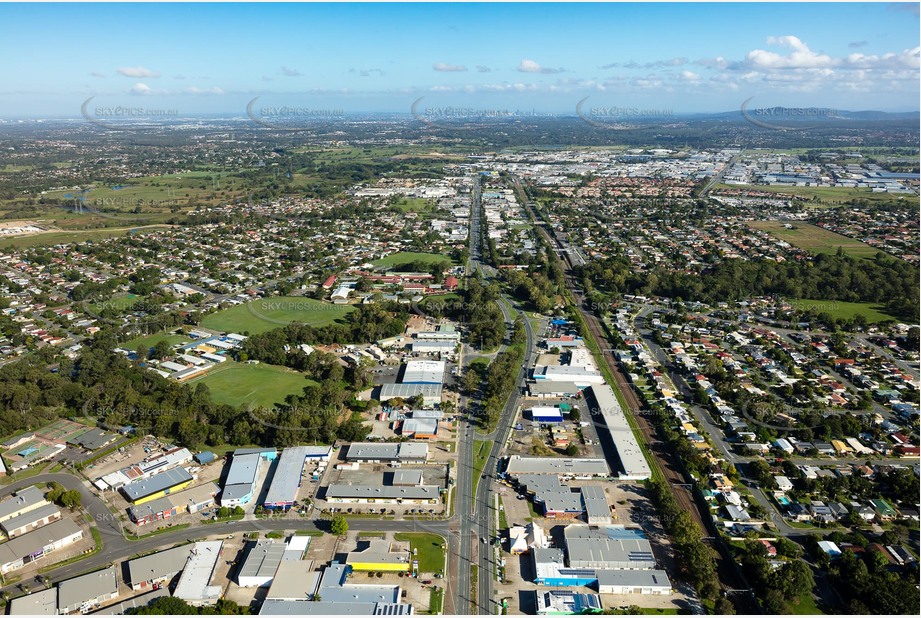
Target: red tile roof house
451, 283
329, 282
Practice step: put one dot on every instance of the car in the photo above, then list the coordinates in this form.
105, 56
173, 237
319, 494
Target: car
426, 581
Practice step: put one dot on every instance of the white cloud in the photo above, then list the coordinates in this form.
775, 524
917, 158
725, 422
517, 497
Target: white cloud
449, 68
530, 66
197, 90
141, 89
288, 72
690, 76
137, 72
97, 74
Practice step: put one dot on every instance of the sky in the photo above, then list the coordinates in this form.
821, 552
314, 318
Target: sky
190, 59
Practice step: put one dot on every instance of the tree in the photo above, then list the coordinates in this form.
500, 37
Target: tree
724, 607
572, 450
162, 349
339, 525
574, 415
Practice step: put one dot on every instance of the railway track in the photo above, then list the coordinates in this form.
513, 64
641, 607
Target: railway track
729, 577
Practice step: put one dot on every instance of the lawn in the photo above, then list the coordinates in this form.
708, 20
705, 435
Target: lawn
426, 548
267, 314
415, 204
156, 194
828, 196
481, 450
815, 239
64, 237
847, 311
236, 384
806, 606
436, 600
404, 257
150, 341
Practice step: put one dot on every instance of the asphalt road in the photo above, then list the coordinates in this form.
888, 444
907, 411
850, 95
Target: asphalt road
117, 548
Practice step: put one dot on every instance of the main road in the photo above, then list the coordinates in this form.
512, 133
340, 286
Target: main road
474, 506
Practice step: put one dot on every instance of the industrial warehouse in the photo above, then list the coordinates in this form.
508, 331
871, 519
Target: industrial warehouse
614, 559
289, 470
157, 486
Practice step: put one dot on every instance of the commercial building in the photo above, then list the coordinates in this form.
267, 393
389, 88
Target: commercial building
387, 452
29, 521
194, 584
431, 393
379, 555
546, 414
287, 480
295, 580
142, 600
420, 428
550, 569
339, 596
580, 376
424, 372
87, 591
439, 335
158, 570
146, 469
190, 500
23, 501
597, 510
41, 603
339, 493
547, 389
37, 544
559, 501
241, 477
607, 547
634, 466
516, 465
566, 603
433, 347
653, 581
523, 538
260, 564
157, 486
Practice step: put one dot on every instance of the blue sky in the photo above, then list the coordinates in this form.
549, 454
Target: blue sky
684, 58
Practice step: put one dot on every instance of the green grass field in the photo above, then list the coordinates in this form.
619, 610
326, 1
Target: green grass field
847, 311
815, 239
404, 257
151, 340
64, 237
118, 302
415, 204
806, 606
267, 314
426, 549
825, 197
156, 193
237, 384
481, 450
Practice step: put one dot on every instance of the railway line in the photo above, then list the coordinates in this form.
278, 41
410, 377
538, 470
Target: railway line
729, 576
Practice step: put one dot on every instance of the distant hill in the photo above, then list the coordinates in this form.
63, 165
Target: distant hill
807, 114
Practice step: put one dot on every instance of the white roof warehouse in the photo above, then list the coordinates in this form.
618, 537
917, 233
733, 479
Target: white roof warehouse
287, 480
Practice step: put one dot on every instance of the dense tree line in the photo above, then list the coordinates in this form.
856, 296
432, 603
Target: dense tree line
865, 581
694, 556
884, 280
778, 588
174, 606
367, 323
105, 385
